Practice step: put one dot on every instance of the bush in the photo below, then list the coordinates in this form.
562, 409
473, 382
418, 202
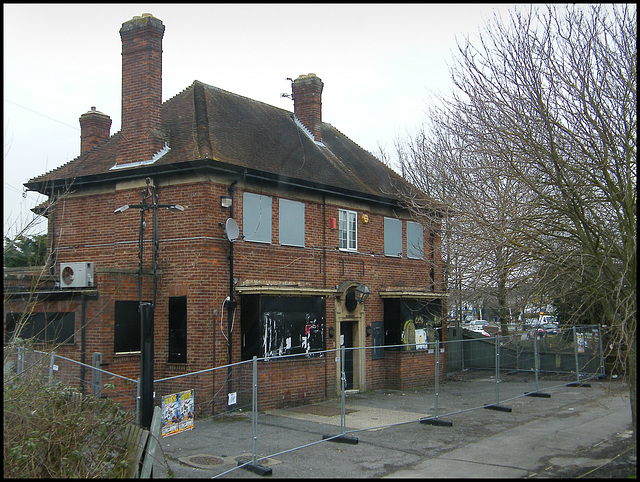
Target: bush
49, 433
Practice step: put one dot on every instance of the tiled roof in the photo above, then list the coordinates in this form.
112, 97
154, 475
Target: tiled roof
205, 123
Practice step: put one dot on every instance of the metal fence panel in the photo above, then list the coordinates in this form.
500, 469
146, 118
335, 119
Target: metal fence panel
493, 372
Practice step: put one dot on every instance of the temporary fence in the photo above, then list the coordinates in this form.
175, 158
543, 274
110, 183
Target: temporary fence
577, 350
84, 378
498, 369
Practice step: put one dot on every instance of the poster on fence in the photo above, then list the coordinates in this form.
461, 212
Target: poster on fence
177, 413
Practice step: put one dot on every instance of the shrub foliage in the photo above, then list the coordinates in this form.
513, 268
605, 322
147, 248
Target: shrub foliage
48, 433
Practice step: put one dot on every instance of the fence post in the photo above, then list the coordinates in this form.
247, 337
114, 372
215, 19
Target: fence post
602, 364
497, 369
575, 350
20, 361
96, 375
435, 420
254, 408
497, 405
437, 379
138, 401
51, 367
536, 358
253, 465
343, 384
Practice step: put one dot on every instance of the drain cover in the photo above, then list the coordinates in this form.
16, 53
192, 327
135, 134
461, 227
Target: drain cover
201, 461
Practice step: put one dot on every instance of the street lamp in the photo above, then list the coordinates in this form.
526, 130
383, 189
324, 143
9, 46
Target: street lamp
362, 292
147, 309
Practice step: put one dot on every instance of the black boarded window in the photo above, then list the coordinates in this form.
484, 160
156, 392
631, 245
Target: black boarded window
55, 327
177, 329
282, 325
126, 335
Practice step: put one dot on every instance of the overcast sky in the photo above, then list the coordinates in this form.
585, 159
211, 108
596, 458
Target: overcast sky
378, 63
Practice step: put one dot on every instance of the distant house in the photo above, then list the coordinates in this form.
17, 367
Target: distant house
284, 217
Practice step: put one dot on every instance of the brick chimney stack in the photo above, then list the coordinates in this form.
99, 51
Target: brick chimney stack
142, 137
95, 127
307, 103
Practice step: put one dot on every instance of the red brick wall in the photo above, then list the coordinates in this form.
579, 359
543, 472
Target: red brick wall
284, 383
415, 368
94, 128
193, 262
141, 89
307, 99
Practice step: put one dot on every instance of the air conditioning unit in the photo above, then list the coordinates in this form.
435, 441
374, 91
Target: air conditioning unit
76, 275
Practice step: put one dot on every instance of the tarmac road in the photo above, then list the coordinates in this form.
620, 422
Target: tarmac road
574, 431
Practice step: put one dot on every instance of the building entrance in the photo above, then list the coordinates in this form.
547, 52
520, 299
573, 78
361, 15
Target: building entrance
350, 320
346, 340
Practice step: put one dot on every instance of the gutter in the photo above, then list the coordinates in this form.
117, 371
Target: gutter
47, 187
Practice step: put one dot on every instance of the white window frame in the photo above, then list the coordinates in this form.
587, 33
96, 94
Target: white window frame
347, 230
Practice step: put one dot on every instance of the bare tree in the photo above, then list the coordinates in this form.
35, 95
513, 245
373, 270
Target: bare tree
485, 207
546, 102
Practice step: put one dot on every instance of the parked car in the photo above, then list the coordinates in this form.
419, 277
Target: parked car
549, 329
544, 330
540, 322
492, 328
477, 326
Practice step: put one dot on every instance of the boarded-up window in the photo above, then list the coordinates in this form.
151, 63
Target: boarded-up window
415, 241
126, 336
393, 237
291, 225
282, 325
177, 329
55, 327
256, 217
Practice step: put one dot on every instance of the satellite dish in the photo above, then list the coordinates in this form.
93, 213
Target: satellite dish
231, 230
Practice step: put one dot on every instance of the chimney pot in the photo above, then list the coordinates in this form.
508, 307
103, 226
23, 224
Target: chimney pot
95, 127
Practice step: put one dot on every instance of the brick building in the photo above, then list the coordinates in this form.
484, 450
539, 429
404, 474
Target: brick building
284, 219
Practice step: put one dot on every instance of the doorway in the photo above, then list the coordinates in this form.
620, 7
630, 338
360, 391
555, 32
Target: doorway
346, 340
350, 320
